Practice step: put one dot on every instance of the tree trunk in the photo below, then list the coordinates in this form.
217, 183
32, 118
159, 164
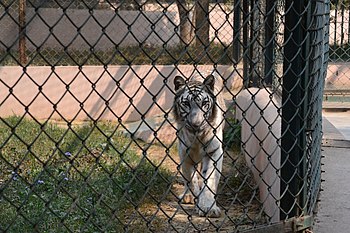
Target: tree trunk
22, 32
202, 29
185, 22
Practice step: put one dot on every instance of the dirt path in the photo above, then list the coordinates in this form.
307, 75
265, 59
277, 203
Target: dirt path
237, 198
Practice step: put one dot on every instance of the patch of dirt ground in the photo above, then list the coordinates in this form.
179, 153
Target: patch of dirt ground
237, 197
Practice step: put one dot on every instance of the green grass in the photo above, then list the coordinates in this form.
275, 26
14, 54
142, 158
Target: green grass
232, 133
85, 179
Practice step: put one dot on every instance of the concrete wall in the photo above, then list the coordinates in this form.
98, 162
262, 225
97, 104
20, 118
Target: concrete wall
338, 76
91, 92
94, 92
79, 29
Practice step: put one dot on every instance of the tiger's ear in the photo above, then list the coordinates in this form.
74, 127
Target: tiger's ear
209, 81
179, 82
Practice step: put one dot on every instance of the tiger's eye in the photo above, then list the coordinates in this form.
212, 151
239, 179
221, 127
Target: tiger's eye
205, 104
186, 104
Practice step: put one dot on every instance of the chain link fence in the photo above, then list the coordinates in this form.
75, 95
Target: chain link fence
91, 139
338, 80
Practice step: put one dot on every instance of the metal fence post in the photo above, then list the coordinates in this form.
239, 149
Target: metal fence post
237, 31
246, 47
269, 41
293, 105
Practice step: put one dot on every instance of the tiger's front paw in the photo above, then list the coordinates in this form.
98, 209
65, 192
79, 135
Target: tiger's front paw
187, 198
212, 211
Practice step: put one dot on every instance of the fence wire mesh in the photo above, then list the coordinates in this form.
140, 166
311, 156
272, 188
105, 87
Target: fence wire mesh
338, 81
160, 116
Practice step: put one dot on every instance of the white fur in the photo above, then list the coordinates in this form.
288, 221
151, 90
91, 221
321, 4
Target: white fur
260, 136
201, 156
197, 155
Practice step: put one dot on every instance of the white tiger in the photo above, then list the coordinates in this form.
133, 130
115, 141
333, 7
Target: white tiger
198, 111
258, 111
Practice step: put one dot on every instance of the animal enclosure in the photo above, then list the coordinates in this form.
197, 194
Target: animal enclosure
104, 105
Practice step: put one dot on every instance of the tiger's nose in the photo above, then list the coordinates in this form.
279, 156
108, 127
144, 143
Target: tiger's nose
196, 124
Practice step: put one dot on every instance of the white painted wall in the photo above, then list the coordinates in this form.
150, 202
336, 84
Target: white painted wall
92, 91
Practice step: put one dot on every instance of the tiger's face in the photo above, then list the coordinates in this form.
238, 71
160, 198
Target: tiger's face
194, 103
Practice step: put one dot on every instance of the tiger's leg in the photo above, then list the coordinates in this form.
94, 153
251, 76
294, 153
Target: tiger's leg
191, 190
211, 172
189, 174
